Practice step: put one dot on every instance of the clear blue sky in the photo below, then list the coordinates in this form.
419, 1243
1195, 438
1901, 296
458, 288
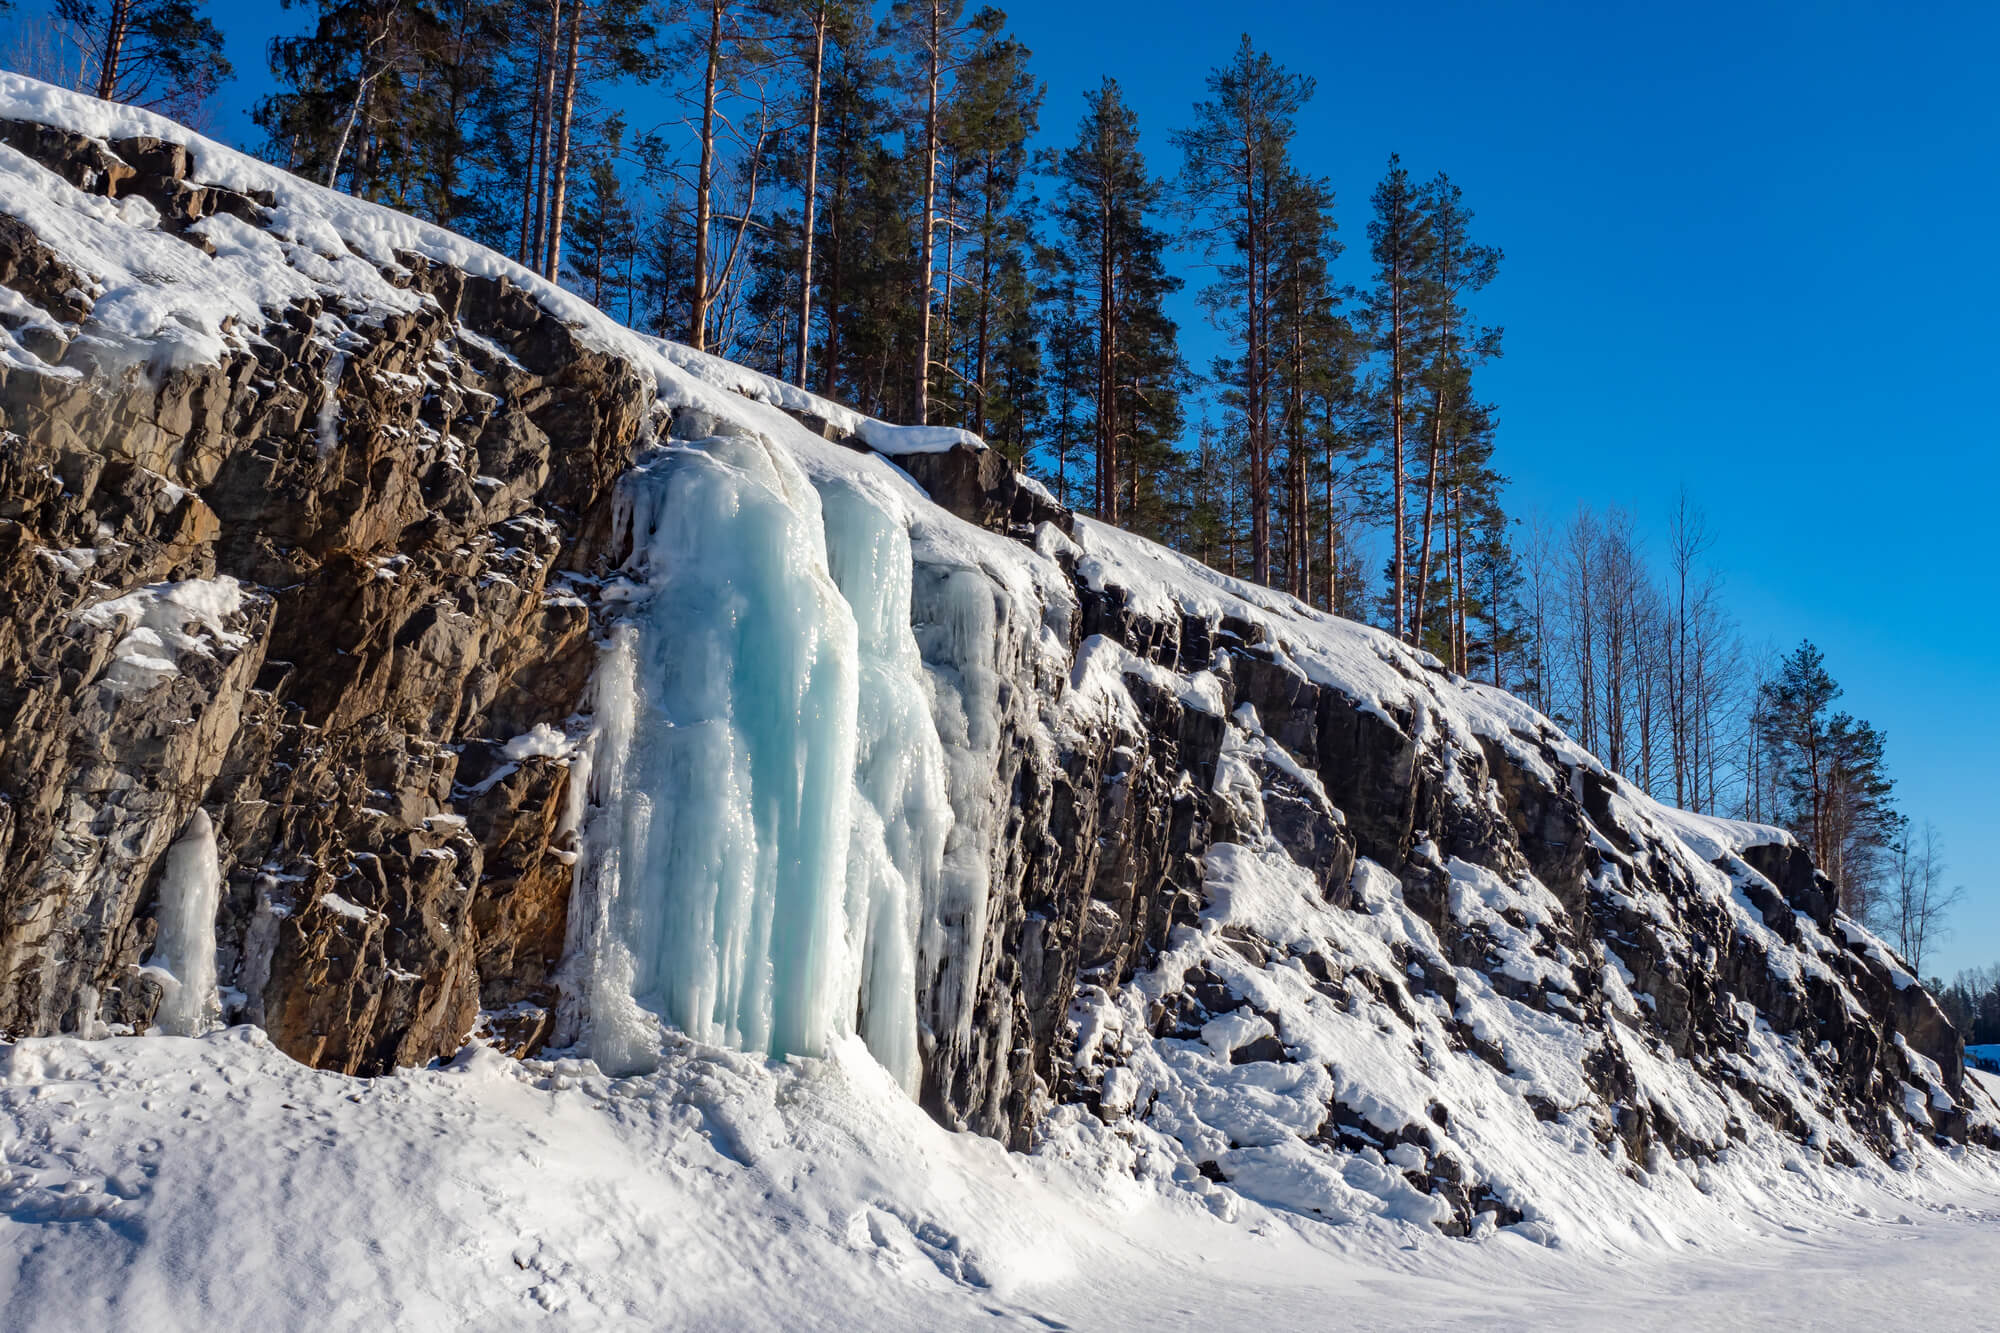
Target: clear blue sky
1748, 250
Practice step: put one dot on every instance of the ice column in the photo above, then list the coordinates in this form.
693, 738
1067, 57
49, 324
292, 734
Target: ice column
962, 627
184, 952
902, 808
749, 856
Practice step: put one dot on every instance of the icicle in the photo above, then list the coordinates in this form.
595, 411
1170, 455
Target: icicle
902, 810
960, 616
184, 953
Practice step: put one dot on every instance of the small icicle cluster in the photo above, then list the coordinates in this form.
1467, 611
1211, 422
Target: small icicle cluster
183, 958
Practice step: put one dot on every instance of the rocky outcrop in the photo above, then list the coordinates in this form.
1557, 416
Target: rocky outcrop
397, 496
340, 583
1636, 935
981, 486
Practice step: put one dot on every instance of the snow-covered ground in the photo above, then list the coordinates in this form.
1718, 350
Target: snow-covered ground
175, 1183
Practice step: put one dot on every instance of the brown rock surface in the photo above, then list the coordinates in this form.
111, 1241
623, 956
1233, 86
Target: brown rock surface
396, 495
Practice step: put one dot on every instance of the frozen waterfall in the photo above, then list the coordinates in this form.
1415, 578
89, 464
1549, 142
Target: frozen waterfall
902, 811
183, 958
768, 800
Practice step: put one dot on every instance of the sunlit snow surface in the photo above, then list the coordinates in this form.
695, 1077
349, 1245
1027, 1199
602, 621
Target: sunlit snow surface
168, 1184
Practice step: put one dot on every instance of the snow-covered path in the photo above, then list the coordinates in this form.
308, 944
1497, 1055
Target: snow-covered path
169, 1183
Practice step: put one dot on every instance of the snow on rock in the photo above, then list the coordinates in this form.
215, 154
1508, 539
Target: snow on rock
543, 742
156, 625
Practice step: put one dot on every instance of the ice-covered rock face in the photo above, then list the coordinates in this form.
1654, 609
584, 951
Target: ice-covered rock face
539, 679
770, 814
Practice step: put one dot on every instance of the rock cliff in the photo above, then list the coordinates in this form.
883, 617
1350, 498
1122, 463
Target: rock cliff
311, 520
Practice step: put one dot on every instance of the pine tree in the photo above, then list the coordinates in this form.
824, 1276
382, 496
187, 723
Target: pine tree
813, 32
1347, 593
1833, 780
1112, 256
993, 113
1014, 398
1467, 502
1069, 375
663, 261
1236, 160
718, 40
604, 239
1339, 414
348, 96
462, 184
771, 304
1454, 267
1492, 595
1205, 504
1399, 242
850, 245
472, 113
162, 54
881, 321
932, 34
1309, 359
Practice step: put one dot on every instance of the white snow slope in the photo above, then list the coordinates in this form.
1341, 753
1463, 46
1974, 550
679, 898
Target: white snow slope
173, 1183
209, 1182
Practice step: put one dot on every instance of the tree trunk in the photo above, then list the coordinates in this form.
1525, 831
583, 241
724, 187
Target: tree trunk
361, 91
724, 284
985, 307
1297, 544
705, 181
950, 272
118, 25
1458, 579
811, 193
1493, 621
1332, 566
926, 239
1423, 589
1260, 482
1396, 431
1107, 373
551, 264
830, 366
836, 226
545, 82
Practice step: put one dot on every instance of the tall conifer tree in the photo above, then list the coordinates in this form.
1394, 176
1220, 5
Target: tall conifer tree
1236, 161
1112, 256
1454, 267
1399, 242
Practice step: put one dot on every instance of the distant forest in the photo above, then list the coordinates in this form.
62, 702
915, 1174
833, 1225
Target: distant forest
850, 196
